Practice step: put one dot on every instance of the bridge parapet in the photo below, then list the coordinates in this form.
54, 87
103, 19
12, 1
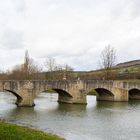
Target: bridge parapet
130, 85
93, 84
70, 91
126, 85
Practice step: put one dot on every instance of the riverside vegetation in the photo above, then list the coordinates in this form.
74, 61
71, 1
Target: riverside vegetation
14, 132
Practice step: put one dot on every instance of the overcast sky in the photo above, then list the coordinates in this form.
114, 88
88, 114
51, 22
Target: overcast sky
74, 32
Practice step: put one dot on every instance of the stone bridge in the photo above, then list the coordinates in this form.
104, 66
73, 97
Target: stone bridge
72, 91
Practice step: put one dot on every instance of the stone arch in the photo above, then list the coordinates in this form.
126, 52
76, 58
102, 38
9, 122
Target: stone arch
134, 94
104, 94
63, 92
19, 98
63, 95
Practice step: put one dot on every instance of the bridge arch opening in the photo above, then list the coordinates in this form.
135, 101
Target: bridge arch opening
103, 94
134, 94
55, 95
63, 96
17, 97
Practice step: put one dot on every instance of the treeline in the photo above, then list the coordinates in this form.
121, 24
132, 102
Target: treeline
30, 70
100, 75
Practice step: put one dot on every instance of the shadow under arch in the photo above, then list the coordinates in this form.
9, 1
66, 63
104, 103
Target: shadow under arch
63, 96
134, 94
104, 95
19, 98
62, 92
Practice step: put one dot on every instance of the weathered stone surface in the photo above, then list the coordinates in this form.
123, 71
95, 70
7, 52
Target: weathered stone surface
71, 91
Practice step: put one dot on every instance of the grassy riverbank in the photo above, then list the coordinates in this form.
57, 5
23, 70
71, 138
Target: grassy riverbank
14, 132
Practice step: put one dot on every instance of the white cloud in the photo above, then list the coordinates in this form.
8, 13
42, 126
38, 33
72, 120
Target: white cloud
11, 40
74, 32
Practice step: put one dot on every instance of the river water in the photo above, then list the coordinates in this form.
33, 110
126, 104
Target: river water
94, 121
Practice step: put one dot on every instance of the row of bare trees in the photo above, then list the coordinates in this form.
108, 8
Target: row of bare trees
30, 70
56, 71
27, 70
108, 60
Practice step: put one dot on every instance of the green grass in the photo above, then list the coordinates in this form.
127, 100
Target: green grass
14, 132
92, 92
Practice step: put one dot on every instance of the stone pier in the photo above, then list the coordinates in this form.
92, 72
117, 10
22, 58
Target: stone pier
72, 91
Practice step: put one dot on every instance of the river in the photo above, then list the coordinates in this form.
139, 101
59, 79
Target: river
94, 121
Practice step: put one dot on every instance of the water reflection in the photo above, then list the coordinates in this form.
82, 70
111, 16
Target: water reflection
97, 120
104, 104
71, 108
134, 103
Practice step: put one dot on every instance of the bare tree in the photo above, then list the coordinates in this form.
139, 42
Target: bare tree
63, 72
30, 67
50, 64
57, 72
26, 64
108, 59
26, 71
67, 72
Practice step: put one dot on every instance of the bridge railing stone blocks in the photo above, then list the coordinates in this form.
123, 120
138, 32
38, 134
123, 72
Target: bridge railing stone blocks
76, 89
130, 85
